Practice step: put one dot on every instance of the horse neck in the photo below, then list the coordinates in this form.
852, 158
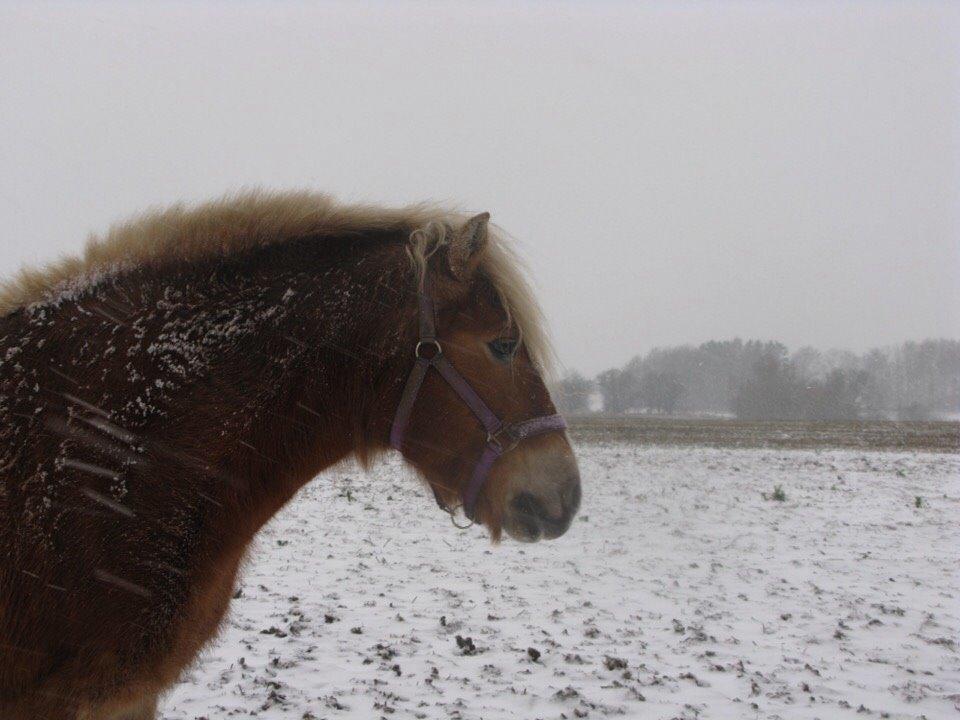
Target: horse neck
307, 384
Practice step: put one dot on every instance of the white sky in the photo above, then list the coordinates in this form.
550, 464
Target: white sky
676, 172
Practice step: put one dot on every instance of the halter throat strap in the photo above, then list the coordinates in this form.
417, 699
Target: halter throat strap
501, 438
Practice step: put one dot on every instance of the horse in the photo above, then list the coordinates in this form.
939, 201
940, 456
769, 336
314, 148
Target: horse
165, 393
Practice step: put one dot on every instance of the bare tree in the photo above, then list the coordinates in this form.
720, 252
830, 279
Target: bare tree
617, 388
572, 393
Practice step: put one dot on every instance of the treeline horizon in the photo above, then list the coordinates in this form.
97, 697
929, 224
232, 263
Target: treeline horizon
763, 380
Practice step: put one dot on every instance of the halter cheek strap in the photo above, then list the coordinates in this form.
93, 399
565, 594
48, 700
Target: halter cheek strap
501, 438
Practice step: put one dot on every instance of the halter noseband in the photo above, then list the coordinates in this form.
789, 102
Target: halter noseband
501, 438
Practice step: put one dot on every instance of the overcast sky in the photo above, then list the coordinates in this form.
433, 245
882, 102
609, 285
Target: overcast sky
675, 172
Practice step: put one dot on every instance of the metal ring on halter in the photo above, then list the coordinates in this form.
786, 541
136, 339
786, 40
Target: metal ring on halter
453, 518
436, 344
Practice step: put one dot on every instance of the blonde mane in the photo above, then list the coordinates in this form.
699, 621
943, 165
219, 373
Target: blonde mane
253, 219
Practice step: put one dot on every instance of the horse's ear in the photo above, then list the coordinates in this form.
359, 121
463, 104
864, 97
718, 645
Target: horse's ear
467, 246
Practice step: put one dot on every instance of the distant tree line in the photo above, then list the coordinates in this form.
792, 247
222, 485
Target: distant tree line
762, 380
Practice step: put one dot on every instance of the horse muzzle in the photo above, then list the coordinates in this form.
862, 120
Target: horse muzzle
543, 492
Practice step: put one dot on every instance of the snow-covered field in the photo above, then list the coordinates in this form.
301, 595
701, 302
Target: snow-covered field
682, 591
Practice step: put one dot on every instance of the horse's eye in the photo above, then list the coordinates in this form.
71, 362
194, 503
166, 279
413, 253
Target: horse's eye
503, 350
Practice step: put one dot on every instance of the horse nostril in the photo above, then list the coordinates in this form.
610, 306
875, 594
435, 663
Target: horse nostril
531, 512
526, 504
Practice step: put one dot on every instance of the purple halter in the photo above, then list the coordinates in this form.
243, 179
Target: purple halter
501, 438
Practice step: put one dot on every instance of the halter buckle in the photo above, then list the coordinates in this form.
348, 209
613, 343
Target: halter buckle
495, 438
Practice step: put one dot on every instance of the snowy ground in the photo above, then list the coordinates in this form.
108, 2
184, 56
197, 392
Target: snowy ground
683, 591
